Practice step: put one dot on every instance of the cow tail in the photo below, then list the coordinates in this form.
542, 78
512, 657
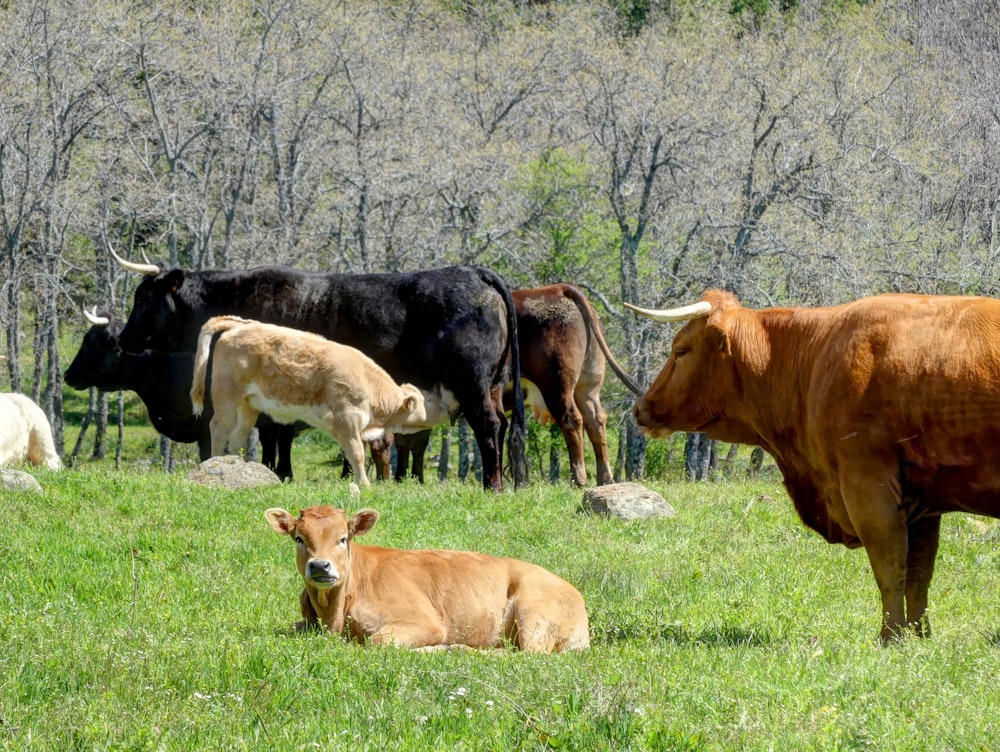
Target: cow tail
201, 356
518, 422
594, 330
203, 353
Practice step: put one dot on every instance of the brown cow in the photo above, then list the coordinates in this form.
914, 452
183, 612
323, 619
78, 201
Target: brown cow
425, 599
299, 376
563, 353
882, 415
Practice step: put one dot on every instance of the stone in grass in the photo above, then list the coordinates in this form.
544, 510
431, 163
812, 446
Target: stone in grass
17, 480
629, 501
231, 471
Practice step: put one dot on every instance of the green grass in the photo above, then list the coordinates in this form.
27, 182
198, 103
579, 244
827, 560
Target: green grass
140, 612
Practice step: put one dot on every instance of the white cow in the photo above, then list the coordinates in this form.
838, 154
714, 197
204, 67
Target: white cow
25, 433
292, 376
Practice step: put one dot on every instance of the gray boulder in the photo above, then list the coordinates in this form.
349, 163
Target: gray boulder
17, 480
629, 501
231, 471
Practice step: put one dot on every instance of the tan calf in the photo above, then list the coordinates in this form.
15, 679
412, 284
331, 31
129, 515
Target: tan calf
425, 599
291, 376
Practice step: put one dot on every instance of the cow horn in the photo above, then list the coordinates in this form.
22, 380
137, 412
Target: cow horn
684, 313
150, 270
94, 319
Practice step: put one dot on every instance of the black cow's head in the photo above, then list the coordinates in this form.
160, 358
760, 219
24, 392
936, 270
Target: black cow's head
97, 361
157, 318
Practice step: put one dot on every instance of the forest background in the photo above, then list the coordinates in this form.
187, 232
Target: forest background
795, 153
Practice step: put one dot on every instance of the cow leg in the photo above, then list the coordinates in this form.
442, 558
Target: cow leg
402, 462
310, 620
595, 422
923, 545
283, 441
380, 451
267, 437
246, 419
354, 451
420, 635
419, 450
221, 426
872, 500
489, 425
570, 422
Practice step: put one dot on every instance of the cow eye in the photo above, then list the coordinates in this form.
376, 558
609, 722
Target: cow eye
300, 540
680, 352
343, 541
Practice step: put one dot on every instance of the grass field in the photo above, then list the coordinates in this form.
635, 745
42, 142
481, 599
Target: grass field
140, 612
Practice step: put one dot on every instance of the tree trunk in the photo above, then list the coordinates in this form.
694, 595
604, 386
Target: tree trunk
555, 439
13, 285
445, 454
464, 453
101, 427
635, 461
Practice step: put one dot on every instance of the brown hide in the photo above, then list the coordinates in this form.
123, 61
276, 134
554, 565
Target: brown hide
425, 599
882, 414
298, 376
563, 354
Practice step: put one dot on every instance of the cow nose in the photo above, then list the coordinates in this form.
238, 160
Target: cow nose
321, 570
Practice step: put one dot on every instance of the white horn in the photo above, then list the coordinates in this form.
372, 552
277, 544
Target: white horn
94, 319
684, 313
150, 270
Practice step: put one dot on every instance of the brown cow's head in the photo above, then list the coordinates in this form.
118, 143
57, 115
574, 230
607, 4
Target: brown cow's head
322, 538
699, 381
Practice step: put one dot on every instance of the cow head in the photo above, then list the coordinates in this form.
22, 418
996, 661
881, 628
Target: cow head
414, 412
699, 382
98, 358
322, 538
156, 321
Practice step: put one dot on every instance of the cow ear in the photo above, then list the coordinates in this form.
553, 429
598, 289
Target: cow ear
362, 522
410, 403
174, 279
280, 520
718, 331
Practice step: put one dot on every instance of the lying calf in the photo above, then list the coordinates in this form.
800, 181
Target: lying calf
426, 599
25, 433
298, 376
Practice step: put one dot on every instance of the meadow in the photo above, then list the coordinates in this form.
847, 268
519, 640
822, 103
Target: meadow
141, 612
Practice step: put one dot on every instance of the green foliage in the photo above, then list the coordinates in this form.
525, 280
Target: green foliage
563, 216
138, 611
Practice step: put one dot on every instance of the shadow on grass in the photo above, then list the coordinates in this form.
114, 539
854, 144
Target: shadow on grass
724, 635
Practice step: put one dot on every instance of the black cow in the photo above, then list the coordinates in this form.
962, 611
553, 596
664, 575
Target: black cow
163, 383
452, 331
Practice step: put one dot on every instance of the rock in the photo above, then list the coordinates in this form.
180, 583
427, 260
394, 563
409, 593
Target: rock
231, 471
16, 480
629, 501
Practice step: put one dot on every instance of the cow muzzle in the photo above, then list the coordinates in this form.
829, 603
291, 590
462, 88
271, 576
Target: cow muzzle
321, 573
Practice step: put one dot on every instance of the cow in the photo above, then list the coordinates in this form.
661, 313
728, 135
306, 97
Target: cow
25, 433
450, 331
163, 383
563, 356
429, 599
299, 376
882, 414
